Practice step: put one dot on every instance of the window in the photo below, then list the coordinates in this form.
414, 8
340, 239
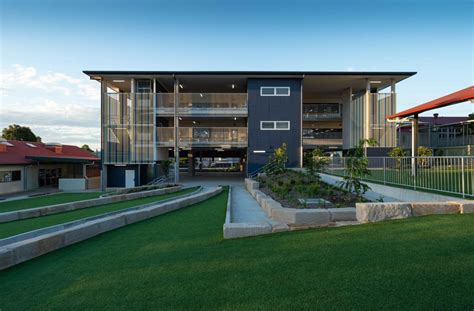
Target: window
274, 125
275, 91
10, 176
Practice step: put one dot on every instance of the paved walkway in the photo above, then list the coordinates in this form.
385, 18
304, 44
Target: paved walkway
244, 207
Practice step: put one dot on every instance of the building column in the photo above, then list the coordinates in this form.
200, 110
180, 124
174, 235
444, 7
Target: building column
132, 122
414, 143
103, 135
367, 110
176, 131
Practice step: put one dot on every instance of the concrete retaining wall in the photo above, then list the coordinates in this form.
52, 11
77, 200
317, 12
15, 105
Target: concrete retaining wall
298, 217
26, 249
60, 208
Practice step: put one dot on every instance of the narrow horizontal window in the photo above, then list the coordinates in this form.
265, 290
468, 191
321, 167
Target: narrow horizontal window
275, 91
274, 125
283, 125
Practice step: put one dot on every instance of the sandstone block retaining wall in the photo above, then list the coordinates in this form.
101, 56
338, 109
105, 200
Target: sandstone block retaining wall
298, 217
372, 212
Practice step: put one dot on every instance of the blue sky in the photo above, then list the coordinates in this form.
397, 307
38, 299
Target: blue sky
46, 44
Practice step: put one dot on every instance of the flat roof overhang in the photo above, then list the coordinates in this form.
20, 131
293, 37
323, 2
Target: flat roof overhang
448, 100
320, 82
58, 159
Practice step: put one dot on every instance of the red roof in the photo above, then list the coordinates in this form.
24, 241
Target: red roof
451, 99
17, 152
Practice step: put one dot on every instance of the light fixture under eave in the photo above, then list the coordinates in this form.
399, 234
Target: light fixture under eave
233, 86
180, 119
194, 122
118, 81
235, 118
200, 94
181, 86
375, 82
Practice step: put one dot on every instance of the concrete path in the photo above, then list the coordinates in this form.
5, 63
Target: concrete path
245, 208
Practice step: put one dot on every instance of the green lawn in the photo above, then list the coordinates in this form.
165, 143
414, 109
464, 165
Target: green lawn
24, 225
46, 200
180, 261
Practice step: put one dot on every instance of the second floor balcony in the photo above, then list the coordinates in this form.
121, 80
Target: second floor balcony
189, 104
197, 104
316, 112
203, 137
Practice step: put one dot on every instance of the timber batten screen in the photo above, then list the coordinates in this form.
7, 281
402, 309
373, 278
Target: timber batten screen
127, 128
381, 105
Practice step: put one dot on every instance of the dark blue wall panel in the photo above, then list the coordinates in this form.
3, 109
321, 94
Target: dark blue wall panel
116, 175
273, 108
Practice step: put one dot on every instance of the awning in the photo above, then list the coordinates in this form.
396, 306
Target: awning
451, 99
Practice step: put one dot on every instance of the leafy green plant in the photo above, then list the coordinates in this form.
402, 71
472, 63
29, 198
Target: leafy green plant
424, 152
165, 167
397, 153
357, 168
280, 157
315, 161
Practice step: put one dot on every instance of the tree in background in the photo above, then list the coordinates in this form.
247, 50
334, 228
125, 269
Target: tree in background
87, 148
424, 152
397, 153
17, 132
315, 161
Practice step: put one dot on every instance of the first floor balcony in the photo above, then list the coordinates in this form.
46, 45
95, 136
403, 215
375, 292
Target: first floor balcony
203, 137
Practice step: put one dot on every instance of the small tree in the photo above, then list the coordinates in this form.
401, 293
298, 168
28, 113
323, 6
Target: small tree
320, 161
424, 152
17, 132
280, 157
357, 168
165, 167
397, 153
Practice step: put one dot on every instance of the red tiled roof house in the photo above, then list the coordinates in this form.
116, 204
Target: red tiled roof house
31, 165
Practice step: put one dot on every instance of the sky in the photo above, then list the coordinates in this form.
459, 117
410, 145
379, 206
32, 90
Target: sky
46, 44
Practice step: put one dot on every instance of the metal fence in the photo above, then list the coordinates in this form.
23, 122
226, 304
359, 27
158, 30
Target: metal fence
446, 175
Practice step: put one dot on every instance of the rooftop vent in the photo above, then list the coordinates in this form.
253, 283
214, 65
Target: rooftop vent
30, 145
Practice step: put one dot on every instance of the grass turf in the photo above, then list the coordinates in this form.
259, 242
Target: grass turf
46, 200
179, 261
19, 226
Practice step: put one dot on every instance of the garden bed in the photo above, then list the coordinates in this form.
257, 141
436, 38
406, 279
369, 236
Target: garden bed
298, 190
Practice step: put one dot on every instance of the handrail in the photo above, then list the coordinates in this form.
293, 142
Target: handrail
270, 168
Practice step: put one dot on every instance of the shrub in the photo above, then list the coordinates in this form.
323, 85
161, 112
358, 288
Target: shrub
398, 153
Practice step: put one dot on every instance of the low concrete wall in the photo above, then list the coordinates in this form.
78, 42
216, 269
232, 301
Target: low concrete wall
60, 208
298, 217
373, 212
72, 184
26, 249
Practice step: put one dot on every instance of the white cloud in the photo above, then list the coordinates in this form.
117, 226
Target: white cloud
56, 106
22, 77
